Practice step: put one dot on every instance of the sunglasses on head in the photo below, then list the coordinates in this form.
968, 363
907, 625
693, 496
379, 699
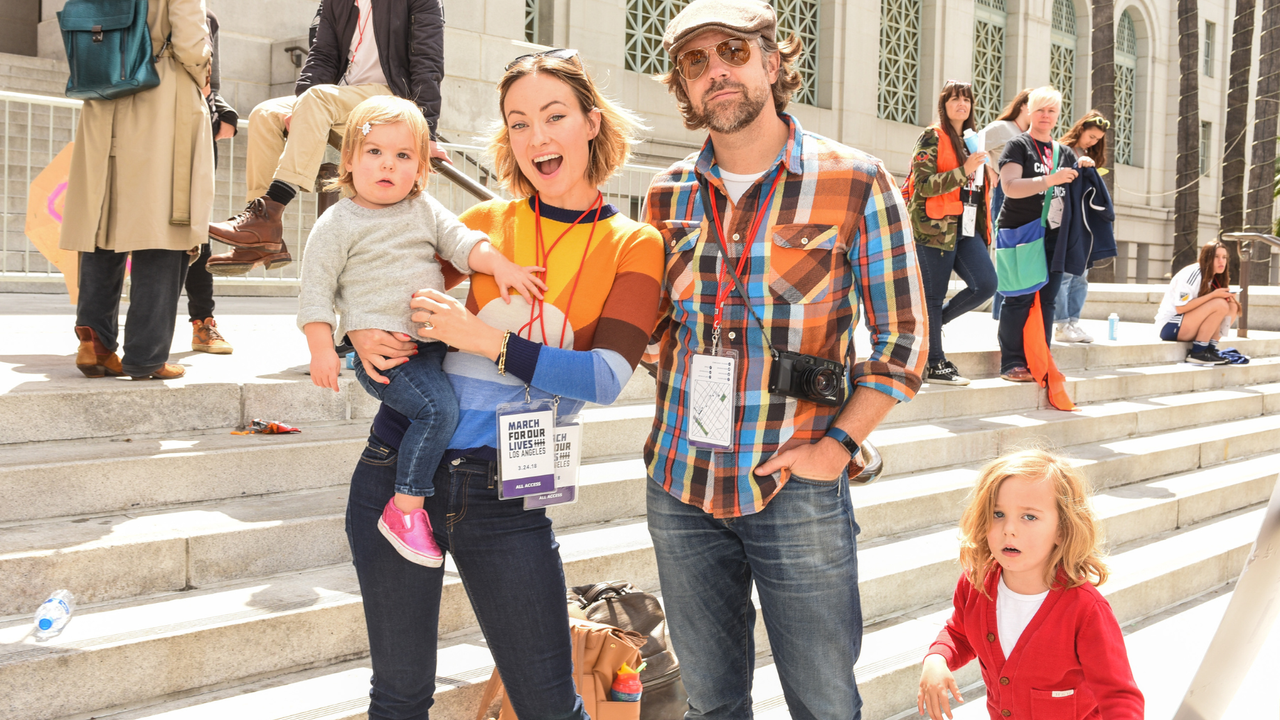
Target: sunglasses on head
693, 62
1099, 121
558, 53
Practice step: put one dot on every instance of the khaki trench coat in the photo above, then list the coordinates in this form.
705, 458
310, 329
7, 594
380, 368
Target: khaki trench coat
142, 167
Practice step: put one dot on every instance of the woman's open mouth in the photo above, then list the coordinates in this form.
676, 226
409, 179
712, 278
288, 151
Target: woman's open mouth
547, 165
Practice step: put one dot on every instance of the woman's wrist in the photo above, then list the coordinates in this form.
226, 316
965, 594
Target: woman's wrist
488, 342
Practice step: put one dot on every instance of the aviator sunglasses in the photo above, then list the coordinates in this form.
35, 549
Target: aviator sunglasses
558, 53
692, 63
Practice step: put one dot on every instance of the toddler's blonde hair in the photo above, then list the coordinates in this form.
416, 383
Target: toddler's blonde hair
1078, 555
383, 110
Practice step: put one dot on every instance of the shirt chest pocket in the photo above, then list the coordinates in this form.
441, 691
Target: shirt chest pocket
1053, 704
682, 242
802, 260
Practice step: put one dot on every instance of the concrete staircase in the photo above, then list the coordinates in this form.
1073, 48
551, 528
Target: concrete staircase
214, 579
1139, 303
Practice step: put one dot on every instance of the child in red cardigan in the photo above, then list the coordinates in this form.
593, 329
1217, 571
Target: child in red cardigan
1027, 605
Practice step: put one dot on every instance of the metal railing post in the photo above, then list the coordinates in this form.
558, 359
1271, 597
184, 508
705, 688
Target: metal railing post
1244, 241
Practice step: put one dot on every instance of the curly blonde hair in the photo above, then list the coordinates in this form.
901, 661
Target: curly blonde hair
788, 81
382, 110
1078, 555
609, 150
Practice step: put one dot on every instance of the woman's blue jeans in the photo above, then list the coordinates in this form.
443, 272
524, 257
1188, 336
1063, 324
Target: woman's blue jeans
509, 562
971, 262
1071, 296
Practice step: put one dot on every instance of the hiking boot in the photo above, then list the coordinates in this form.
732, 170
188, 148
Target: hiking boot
92, 358
410, 534
168, 371
1208, 356
241, 260
206, 338
257, 226
1080, 333
1019, 374
944, 373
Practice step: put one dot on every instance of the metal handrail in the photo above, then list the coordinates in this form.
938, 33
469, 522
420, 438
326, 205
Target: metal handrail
1244, 241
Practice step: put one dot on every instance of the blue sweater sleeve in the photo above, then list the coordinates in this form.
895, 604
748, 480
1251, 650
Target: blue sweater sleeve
593, 376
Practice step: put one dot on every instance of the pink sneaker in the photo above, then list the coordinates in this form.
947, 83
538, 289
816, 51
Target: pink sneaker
410, 535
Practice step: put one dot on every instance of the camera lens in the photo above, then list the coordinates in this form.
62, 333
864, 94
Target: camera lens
819, 382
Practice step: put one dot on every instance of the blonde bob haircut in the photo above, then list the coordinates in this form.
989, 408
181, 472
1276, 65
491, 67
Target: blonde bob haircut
1077, 556
1044, 97
382, 110
609, 149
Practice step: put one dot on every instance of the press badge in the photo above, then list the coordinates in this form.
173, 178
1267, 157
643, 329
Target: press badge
710, 398
969, 220
526, 457
568, 454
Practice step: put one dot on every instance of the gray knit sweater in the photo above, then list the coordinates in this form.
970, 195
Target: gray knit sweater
363, 266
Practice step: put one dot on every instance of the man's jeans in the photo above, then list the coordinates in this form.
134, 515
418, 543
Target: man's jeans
509, 563
420, 391
1071, 296
801, 552
971, 262
154, 289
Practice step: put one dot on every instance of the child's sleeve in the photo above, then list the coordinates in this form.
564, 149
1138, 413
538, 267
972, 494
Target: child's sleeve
1101, 651
453, 240
953, 642
322, 263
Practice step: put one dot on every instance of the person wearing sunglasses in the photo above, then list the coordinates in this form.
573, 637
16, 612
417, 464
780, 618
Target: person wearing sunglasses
774, 236
950, 222
1087, 138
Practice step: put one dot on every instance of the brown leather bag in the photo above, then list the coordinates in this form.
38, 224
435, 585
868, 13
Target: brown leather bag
598, 652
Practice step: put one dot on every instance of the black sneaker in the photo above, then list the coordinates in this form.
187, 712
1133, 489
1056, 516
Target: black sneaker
944, 373
1208, 356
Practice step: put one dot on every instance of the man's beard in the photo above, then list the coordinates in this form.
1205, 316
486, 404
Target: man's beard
732, 116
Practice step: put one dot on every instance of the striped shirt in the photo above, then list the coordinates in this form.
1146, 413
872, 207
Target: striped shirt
836, 231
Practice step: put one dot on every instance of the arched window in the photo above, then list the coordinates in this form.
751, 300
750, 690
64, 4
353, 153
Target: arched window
1062, 62
899, 60
989, 17
1126, 86
647, 20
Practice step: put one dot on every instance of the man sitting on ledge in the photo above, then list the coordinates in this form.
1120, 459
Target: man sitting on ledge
360, 49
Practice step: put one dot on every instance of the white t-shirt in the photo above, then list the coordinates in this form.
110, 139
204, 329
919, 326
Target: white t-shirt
1013, 613
364, 66
1184, 288
736, 184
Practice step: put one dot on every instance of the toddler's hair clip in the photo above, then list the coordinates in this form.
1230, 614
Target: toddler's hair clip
365, 128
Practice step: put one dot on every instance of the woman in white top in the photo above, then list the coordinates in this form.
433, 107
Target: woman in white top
1198, 306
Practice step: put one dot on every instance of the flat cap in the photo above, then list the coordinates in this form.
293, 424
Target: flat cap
745, 19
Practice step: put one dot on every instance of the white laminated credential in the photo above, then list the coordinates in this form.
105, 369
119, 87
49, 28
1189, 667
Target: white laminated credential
711, 400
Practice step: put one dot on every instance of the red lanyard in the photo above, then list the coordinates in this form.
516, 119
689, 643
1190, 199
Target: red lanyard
722, 292
360, 29
542, 257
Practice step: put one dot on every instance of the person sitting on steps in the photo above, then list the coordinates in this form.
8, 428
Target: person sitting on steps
1199, 307
361, 49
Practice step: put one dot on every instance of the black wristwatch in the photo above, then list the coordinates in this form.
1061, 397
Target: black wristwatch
843, 438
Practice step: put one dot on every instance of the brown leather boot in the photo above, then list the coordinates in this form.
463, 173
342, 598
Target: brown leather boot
168, 372
241, 260
206, 338
92, 358
258, 226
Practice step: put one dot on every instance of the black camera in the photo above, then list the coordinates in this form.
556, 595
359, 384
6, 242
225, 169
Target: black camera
808, 378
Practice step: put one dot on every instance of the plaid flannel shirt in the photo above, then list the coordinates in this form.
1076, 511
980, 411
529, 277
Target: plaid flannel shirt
836, 231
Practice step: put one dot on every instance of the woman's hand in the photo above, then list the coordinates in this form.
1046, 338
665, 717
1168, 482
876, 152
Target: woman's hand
1086, 161
446, 319
935, 681
381, 350
974, 162
1062, 177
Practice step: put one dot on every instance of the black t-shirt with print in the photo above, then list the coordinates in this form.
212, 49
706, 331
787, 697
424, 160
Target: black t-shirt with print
1030, 154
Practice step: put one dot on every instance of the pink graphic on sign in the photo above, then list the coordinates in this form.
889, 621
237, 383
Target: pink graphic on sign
54, 197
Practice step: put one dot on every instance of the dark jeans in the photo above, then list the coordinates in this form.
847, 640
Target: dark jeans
420, 391
200, 287
509, 562
1013, 317
801, 552
153, 303
970, 261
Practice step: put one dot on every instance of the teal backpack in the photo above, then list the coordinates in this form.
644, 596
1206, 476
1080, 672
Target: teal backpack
108, 47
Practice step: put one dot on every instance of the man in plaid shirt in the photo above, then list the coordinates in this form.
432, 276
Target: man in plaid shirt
830, 229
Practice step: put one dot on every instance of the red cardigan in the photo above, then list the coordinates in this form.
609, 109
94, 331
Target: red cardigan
1069, 664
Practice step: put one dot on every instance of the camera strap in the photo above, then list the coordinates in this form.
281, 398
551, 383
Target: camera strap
709, 203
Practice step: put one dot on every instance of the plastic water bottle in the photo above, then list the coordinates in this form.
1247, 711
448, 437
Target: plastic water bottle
1113, 321
351, 360
54, 614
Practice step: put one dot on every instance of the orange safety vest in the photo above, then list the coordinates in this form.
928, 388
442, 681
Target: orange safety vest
941, 206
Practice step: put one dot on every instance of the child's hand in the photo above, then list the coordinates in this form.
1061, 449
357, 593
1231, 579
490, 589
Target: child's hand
935, 680
324, 369
510, 275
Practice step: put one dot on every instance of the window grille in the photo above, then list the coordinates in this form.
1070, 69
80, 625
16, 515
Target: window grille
1209, 30
988, 60
1206, 138
1126, 87
899, 60
531, 21
647, 20
1062, 62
